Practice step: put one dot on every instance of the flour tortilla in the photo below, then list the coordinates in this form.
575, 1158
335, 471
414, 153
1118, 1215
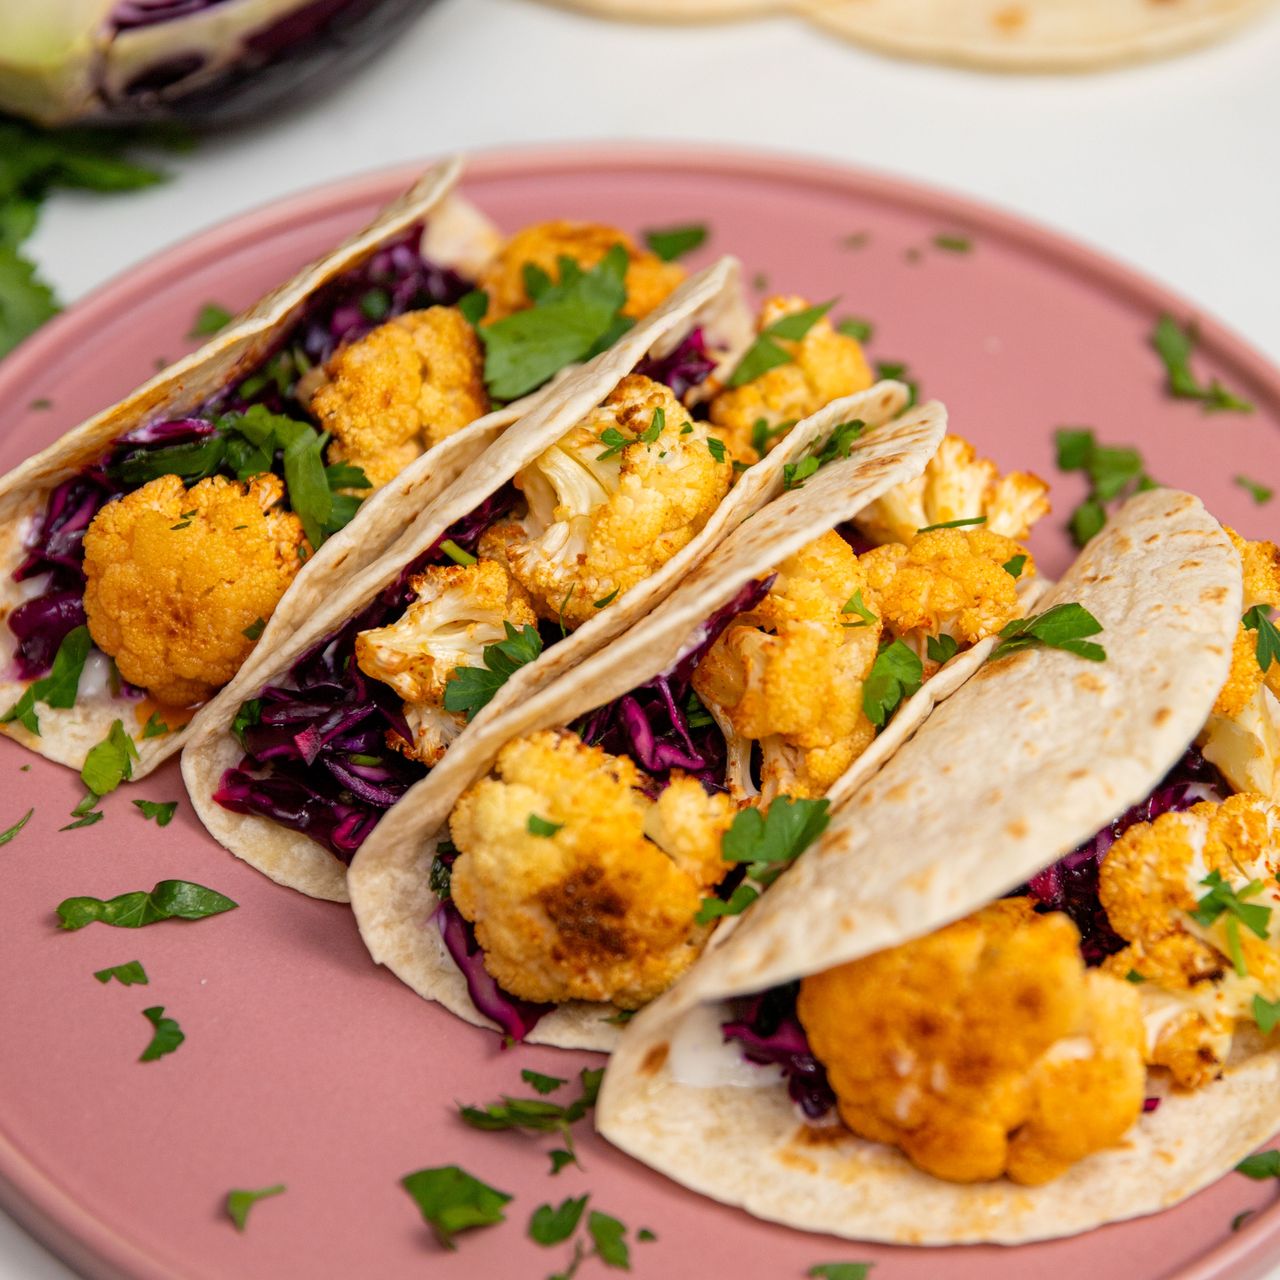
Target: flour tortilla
1005, 35
1024, 763
711, 301
66, 735
388, 880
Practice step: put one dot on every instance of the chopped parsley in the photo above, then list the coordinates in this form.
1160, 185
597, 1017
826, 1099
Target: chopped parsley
794, 474
474, 306
1065, 626
1174, 345
158, 811
84, 813
1114, 472
209, 320
456, 553
560, 1158
542, 1084
953, 243
606, 600
855, 604
609, 1237
535, 1115
550, 1226
451, 1200
569, 321
1015, 566
166, 1035
896, 371
470, 689
1223, 899
765, 353
895, 675
59, 688
856, 327
767, 844
1260, 493
715, 447
1267, 650
537, 826
1239, 1220
240, 1202
841, 1270
1260, 1166
955, 524
255, 629
671, 243
109, 762
762, 433
127, 975
941, 649
168, 900
1134, 976
855, 240
1266, 1013
11, 832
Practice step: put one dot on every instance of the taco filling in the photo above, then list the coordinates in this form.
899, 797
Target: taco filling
1038, 1030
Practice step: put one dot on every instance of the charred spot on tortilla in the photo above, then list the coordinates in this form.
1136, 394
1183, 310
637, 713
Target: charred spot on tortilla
1014, 18
1090, 683
1190, 564
1213, 595
655, 1059
1161, 716
1017, 829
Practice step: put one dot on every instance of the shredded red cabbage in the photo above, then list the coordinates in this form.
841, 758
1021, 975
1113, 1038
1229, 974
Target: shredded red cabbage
316, 756
771, 1035
145, 13
651, 723
1071, 884
687, 367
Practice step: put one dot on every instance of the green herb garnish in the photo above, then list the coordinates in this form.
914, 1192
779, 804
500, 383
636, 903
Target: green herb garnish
534, 1115
157, 811
131, 974
606, 600
1174, 346
165, 1037
255, 629
168, 900
794, 474
1260, 493
209, 320
470, 689
1266, 1013
1267, 649
941, 649
765, 353
474, 306
955, 524
456, 553
537, 826
953, 244
762, 433
674, 242
894, 676
109, 762
550, 1226
1260, 1166
855, 604
855, 327
1223, 899
451, 1200
84, 813
11, 832
841, 1270
896, 371
1065, 626
1114, 472
1015, 566
542, 1084
715, 447
59, 688
240, 1202
609, 1237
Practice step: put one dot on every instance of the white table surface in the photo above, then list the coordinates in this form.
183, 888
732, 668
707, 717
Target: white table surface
1169, 167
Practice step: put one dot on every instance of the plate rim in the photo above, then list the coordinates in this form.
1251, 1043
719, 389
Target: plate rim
28, 1194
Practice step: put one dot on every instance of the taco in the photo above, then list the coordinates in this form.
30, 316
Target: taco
567, 867
148, 549
888, 1049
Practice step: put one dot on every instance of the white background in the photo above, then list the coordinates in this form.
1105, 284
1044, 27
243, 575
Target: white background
1170, 167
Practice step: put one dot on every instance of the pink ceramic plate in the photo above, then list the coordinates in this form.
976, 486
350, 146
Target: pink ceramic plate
304, 1064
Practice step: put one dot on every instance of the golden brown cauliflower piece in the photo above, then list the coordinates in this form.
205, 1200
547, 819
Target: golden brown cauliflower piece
982, 1049
946, 582
1150, 882
175, 577
400, 389
649, 280
957, 485
788, 675
603, 517
1242, 735
825, 365
458, 610
604, 908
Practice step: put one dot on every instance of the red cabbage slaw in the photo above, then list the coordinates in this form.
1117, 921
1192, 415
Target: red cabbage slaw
770, 1033
396, 275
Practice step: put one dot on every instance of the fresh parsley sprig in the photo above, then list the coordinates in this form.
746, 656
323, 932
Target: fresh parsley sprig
536, 1115
239, 1203
452, 1200
166, 1035
1114, 472
896, 674
765, 353
130, 974
1174, 345
168, 900
1267, 649
59, 688
670, 243
1065, 626
1223, 899
470, 689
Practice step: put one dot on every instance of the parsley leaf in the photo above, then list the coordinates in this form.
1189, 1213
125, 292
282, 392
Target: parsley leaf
550, 1226
26, 302
168, 900
84, 813
953, 244
1065, 626
1260, 1166
165, 1037
534, 1115
794, 474
1015, 566
474, 306
1224, 899
470, 689
896, 371
542, 1084
941, 649
255, 629
894, 676
11, 832
1260, 493
762, 433
240, 1202
674, 242
841, 1270
1268, 647
209, 320
1114, 472
1266, 1013
109, 762
127, 975
566, 323
59, 688
765, 354
161, 812
736, 903
609, 1237
856, 327
155, 727
715, 447
856, 604
456, 553
954, 524
451, 1200
543, 827
560, 1158
1174, 346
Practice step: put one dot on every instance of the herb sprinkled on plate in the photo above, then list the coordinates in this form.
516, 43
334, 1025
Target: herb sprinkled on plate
239, 1203
1174, 345
452, 1200
674, 242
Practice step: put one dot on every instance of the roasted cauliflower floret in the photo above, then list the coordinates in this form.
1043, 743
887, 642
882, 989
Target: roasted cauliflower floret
458, 610
649, 280
1242, 735
400, 389
946, 582
957, 485
983, 1049
603, 909
604, 515
788, 674
1151, 882
175, 577
824, 366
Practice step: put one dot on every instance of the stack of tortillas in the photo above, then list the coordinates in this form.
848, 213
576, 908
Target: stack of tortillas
1012, 35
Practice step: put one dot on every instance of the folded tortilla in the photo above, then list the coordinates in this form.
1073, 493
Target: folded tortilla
1028, 760
710, 301
459, 236
389, 878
